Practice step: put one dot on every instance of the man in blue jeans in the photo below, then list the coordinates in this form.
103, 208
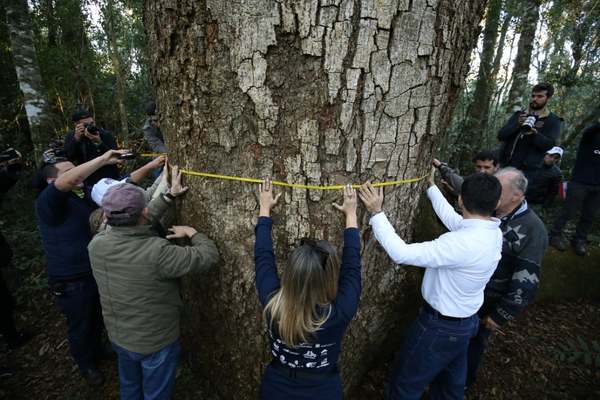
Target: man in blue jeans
138, 279
457, 265
63, 209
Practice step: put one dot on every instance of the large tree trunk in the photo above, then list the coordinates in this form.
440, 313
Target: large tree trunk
309, 92
477, 114
531, 12
28, 74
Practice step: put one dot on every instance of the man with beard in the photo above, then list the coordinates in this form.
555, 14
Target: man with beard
528, 135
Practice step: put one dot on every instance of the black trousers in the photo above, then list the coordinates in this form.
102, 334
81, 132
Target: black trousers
80, 304
579, 197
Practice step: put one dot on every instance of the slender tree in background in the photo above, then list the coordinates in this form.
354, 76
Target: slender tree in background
522, 63
28, 73
477, 115
119, 68
316, 92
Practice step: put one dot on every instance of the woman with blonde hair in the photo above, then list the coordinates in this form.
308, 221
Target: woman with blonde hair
308, 310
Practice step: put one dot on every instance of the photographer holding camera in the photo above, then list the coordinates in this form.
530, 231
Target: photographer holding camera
87, 142
528, 135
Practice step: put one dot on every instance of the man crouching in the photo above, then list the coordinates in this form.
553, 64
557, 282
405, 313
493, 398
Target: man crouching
137, 273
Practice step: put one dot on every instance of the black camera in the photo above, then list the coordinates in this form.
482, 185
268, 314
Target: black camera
529, 123
91, 128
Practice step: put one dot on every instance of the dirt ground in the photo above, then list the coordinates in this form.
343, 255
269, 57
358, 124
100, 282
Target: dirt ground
551, 352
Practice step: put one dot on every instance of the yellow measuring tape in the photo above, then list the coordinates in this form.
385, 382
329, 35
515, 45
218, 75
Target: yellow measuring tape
284, 184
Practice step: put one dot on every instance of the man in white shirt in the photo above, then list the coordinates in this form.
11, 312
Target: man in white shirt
458, 266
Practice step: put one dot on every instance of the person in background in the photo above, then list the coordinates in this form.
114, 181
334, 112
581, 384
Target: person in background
484, 161
308, 310
514, 283
528, 135
62, 209
138, 279
457, 265
151, 130
86, 142
583, 193
545, 183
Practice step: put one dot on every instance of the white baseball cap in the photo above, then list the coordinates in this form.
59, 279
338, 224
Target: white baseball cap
100, 188
555, 150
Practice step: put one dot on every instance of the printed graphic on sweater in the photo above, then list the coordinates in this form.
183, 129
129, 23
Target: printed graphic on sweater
305, 355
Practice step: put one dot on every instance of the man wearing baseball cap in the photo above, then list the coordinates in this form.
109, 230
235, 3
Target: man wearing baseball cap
545, 183
137, 274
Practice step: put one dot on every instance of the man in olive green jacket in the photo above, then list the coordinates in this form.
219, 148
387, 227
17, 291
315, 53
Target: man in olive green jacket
137, 275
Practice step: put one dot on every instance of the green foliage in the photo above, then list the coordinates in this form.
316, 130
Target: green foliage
566, 54
72, 46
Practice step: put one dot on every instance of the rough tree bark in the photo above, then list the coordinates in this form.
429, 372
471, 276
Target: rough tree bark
28, 74
477, 114
528, 26
324, 92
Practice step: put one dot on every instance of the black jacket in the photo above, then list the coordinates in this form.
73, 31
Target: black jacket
85, 150
544, 185
526, 152
587, 164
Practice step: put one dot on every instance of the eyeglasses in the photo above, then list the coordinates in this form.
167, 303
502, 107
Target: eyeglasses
314, 244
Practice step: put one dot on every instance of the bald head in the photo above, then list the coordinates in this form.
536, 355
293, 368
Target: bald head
514, 186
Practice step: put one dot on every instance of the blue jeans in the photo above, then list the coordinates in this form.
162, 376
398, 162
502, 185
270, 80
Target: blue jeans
476, 349
148, 376
434, 352
80, 303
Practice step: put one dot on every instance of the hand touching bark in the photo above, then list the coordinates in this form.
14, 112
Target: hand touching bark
349, 206
371, 197
266, 199
180, 231
177, 189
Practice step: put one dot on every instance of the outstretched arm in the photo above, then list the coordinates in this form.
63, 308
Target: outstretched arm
267, 281
75, 176
349, 285
450, 218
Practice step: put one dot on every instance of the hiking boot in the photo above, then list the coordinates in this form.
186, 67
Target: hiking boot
558, 242
93, 377
580, 247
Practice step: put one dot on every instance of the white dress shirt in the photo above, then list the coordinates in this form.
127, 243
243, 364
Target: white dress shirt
458, 264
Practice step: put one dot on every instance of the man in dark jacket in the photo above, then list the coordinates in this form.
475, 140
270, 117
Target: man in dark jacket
516, 279
484, 161
63, 209
528, 135
545, 184
583, 192
87, 142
